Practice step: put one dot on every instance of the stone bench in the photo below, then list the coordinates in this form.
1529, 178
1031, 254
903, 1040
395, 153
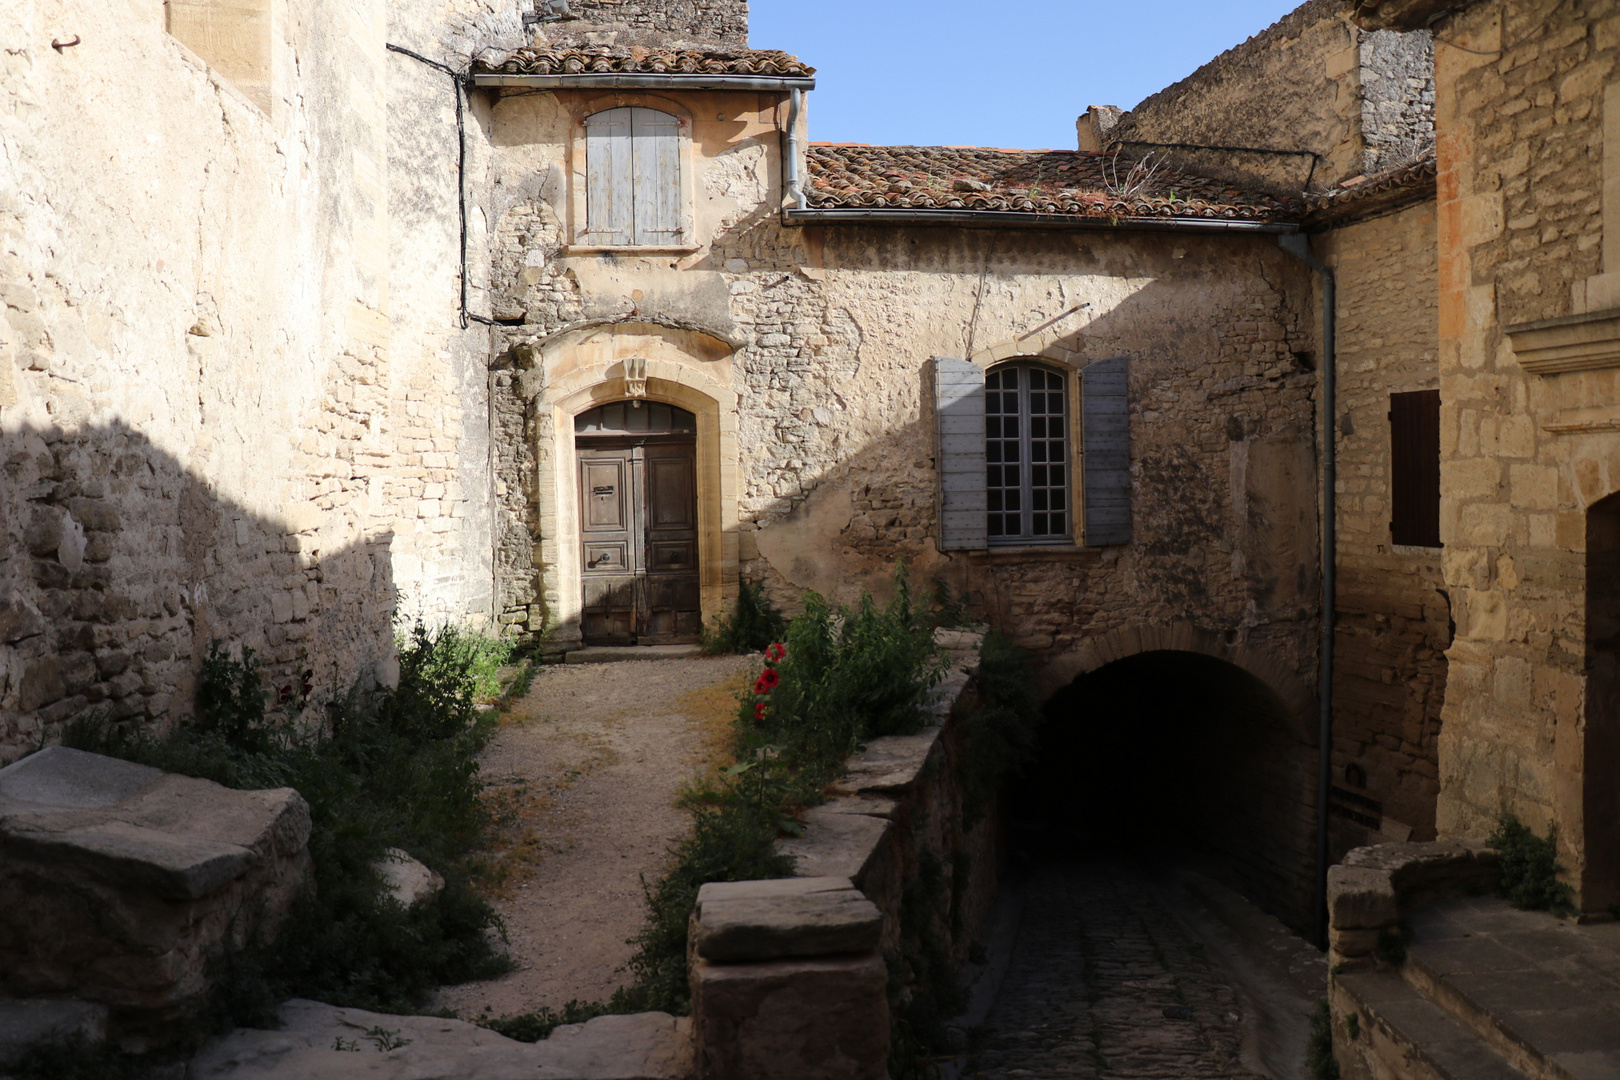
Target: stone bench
119, 882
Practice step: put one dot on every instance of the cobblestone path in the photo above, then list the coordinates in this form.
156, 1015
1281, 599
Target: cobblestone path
1104, 984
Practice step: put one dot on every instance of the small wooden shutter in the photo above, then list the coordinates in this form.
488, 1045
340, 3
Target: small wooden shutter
1414, 459
959, 400
657, 140
1106, 438
609, 168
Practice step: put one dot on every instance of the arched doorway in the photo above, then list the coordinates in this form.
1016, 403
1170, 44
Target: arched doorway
1180, 756
1599, 836
638, 524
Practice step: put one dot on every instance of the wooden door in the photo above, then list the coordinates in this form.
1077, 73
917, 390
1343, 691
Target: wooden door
639, 544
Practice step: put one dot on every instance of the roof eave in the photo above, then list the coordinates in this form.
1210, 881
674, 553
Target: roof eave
647, 81
1009, 219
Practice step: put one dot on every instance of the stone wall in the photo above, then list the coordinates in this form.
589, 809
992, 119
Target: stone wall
1312, 82
235, 395
1394, 616
660, 22
1529, 141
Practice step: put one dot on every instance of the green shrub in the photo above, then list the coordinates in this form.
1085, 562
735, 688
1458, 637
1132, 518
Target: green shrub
75, 1057
393, 769
1319, 1060
755, 624
1529, 867
531, 1027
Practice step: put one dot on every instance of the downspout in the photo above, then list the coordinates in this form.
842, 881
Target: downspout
1298, 246
790, 168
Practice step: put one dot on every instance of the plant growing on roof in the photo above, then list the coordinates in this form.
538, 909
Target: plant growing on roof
1137, 180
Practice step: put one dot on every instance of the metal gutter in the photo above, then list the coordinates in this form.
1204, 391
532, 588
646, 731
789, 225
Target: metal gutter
669, 81
790, 176
1009, 219
1299, 247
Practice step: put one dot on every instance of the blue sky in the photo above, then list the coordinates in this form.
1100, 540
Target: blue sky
994, 73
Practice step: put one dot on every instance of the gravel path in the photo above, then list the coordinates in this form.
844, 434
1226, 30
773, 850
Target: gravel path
588, 764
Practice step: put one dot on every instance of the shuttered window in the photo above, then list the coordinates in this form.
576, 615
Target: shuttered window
959, 399
1106, 427
633, 186
1414, 459
1026, 451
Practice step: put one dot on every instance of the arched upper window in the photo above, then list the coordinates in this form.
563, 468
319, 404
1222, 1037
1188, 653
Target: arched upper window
635, 418
633, 191
1026, 452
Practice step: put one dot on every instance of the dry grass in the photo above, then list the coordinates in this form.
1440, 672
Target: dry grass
523, 835
713, 710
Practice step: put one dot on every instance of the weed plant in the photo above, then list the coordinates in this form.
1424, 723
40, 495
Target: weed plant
531, 1027
755, 624
390, 769
1319, 1060
1529, 867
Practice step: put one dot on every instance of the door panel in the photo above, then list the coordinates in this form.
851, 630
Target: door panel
639, 541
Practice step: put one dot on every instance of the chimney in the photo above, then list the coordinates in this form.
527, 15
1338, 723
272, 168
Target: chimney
1094, 126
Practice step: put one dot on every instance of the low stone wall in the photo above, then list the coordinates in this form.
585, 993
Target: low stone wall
1369, 895
789, 977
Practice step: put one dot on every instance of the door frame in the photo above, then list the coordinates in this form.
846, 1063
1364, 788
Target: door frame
579, 387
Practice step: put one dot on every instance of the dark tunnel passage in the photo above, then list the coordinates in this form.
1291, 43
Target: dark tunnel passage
1176, 756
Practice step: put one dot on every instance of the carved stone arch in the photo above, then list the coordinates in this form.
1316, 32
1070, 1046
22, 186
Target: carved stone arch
1050, 346
1096, 652
596, 365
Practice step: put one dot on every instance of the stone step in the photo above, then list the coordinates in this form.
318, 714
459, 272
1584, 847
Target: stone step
1543, 994
1401, 1025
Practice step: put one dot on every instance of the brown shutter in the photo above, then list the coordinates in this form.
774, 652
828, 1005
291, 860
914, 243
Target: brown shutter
1414, 460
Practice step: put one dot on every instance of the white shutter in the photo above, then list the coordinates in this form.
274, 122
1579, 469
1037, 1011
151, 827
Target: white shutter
959, 399
609, 204
1106, 427
657, 169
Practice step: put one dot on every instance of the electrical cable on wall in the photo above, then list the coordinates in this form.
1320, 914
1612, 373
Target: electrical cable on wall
458, 81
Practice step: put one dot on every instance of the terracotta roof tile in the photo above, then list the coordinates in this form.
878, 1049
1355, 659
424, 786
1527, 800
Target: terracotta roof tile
641, 61
1068, 182
1363, 195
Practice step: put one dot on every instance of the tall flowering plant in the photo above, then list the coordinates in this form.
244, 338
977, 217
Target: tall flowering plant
769, 679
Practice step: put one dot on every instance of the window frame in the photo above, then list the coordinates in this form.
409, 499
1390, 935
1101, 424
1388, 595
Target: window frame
1066, 428
579, 235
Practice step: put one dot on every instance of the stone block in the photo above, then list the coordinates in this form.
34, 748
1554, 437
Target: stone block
1361, 898
800, 1019
765, 920
118, 881
836, 844
406, 879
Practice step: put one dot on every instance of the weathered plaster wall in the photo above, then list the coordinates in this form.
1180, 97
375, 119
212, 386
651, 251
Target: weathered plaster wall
214, 426
1311, 82
1528, 145
1394, 617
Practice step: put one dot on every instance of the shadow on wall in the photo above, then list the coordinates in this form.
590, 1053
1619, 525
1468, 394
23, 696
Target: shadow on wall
1176, 755
121, 565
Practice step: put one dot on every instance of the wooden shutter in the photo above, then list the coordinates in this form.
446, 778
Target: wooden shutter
1414, 459
656, 137
1106, 435
959, 401
609, 167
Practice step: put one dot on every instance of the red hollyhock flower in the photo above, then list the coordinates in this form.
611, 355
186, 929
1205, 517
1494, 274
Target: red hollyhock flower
776, 653
767, 681
759, 711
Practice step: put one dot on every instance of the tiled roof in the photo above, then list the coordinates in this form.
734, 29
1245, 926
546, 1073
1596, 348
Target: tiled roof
1067, 182
1363, 195
640, 61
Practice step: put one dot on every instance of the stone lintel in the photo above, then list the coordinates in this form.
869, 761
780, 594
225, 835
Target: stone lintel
1588, 342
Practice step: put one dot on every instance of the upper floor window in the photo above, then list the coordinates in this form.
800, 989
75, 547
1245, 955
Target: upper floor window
633, 188
1026, 451
1414, 465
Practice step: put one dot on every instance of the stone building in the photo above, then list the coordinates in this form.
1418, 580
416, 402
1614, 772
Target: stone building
554, 317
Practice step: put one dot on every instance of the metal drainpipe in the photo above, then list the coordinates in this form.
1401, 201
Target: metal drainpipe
1298, 246
791, 166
